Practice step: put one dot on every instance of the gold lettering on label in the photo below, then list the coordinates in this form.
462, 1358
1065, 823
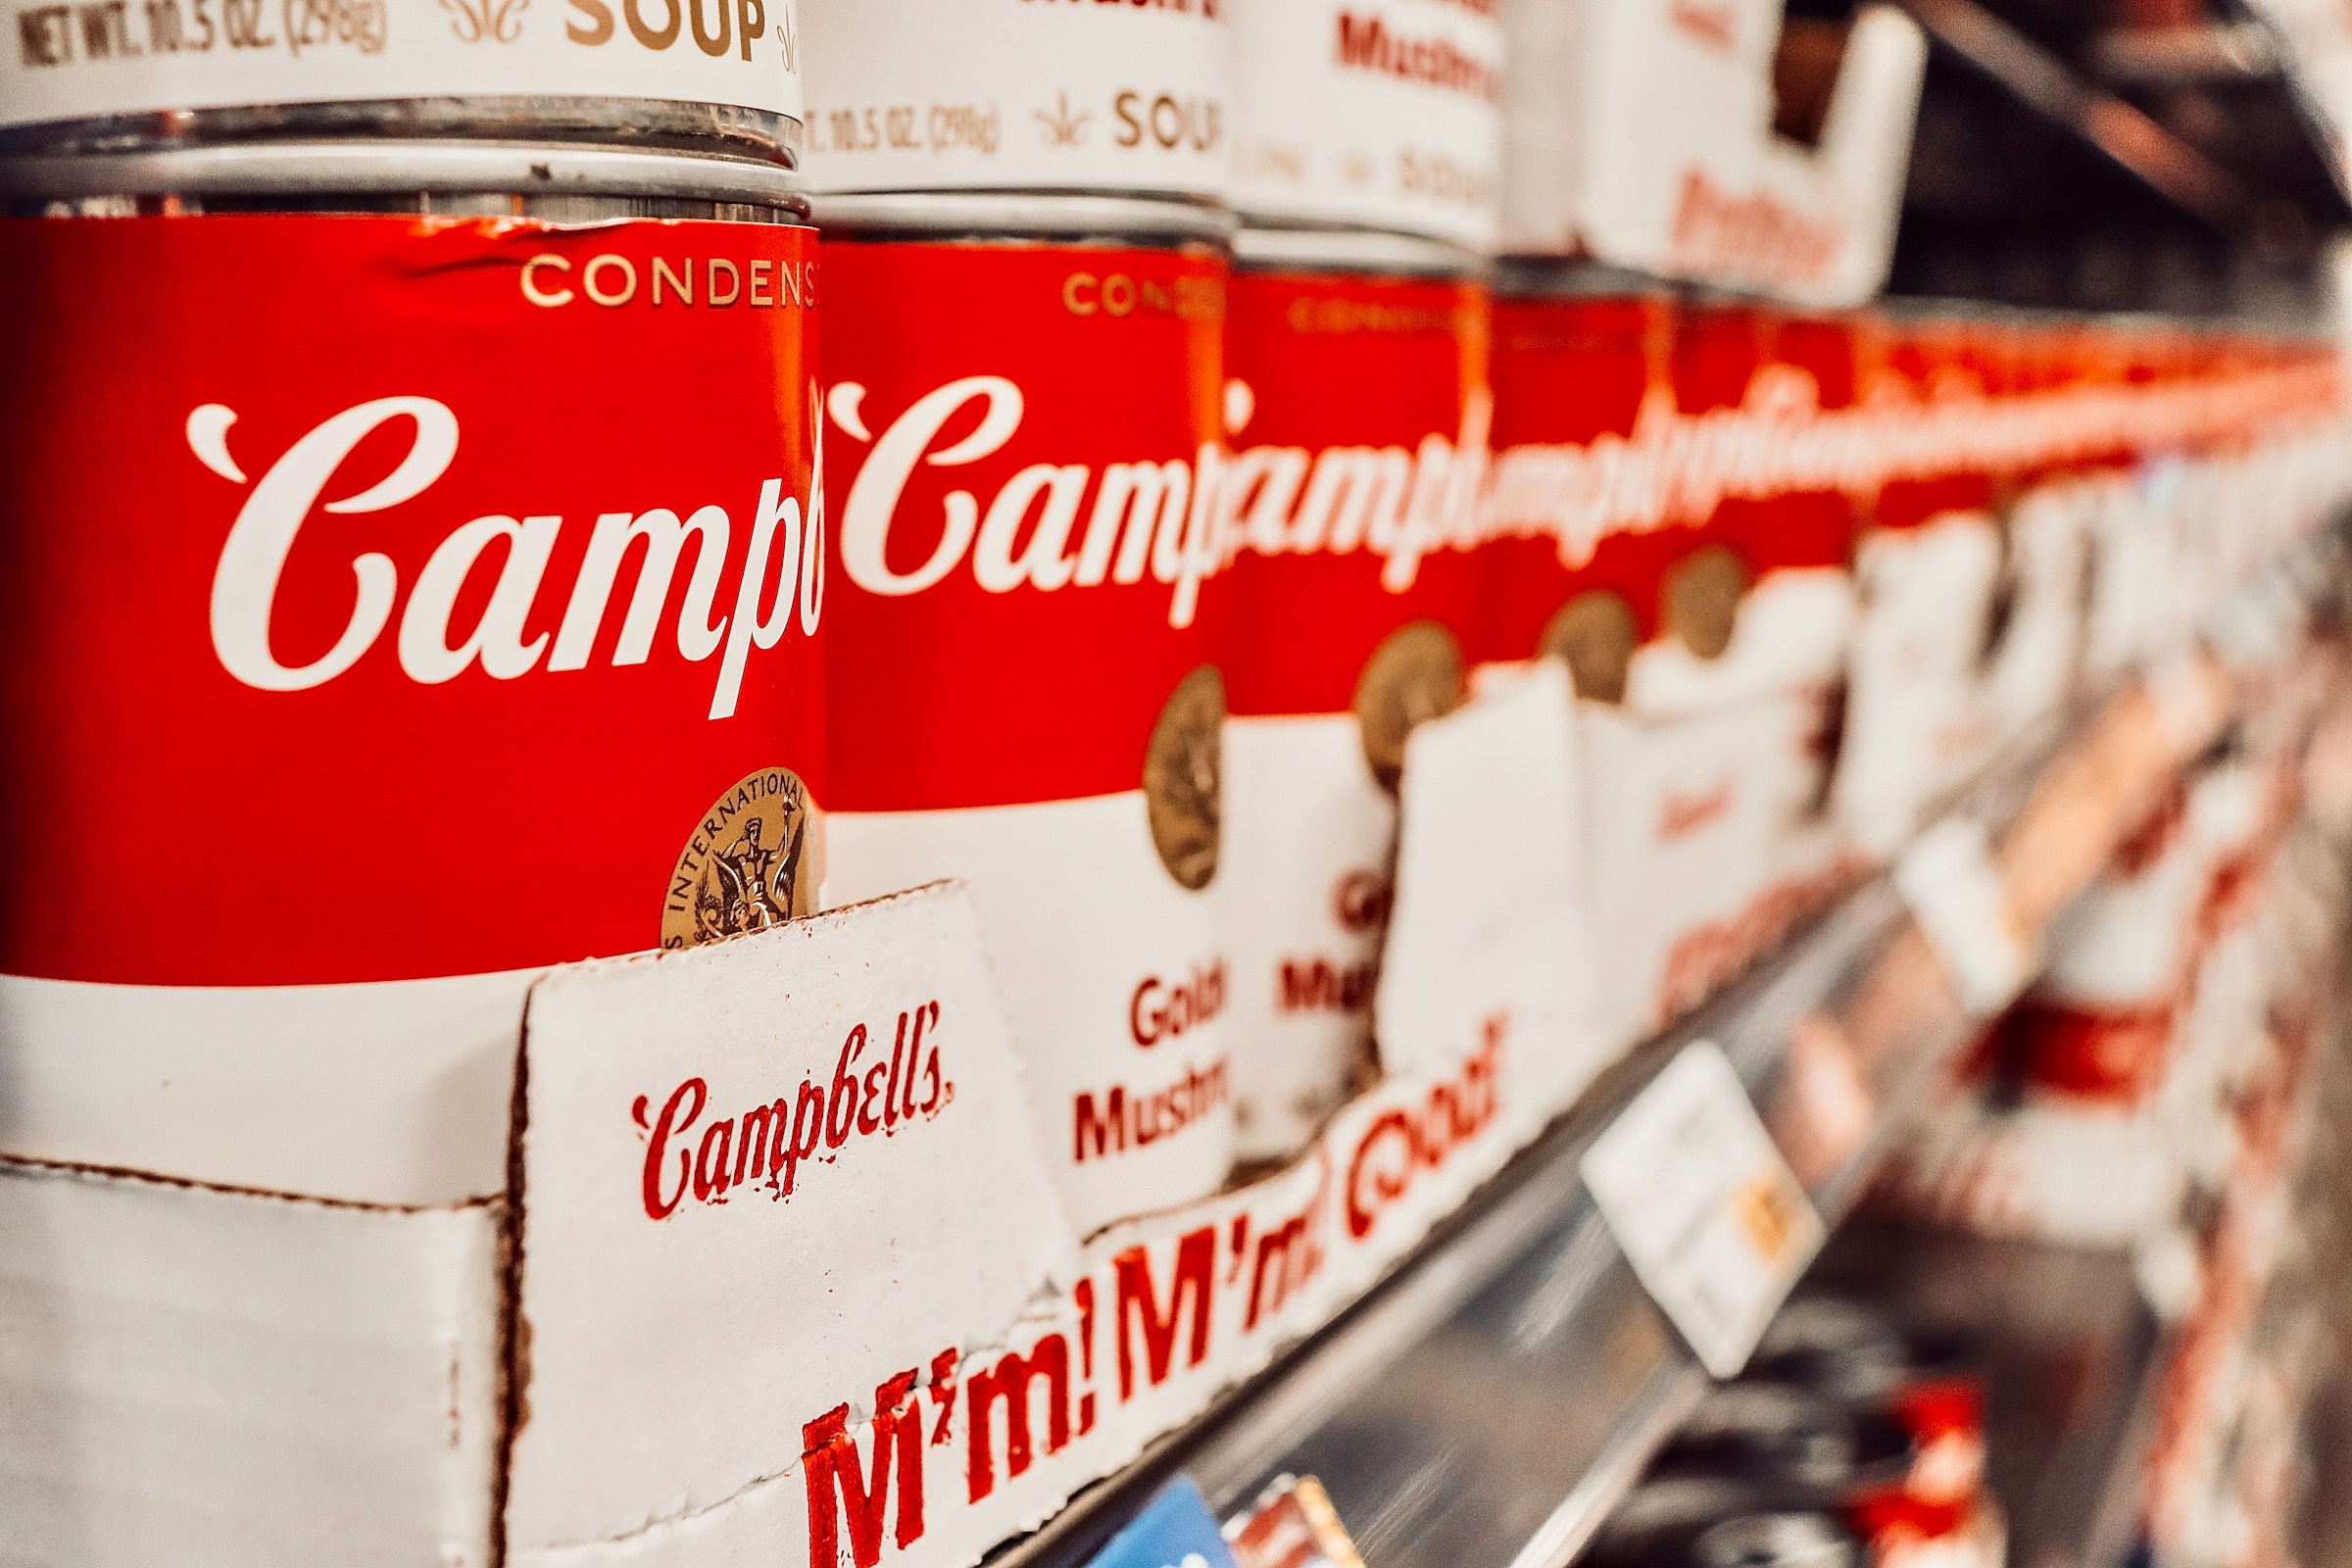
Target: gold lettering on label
606, 263
683, 283
719, 264
761, 293
1120, 295
531, 290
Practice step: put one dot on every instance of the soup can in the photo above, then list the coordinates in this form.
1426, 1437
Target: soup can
1358, 406
413, 576
1027, 624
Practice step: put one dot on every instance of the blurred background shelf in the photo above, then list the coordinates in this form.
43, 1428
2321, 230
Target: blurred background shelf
2119, 155
1490, 1401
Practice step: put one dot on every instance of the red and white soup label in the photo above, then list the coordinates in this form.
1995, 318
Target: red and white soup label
1024, 689
1573, 375
1358, 408
371, 609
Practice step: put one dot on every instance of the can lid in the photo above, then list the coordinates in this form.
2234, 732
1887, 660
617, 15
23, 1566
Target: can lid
1007, 215
356, 167
1364, 250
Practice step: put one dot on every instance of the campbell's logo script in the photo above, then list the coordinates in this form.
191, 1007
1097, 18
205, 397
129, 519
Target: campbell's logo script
780, 548
1401, 505
1181, 523
692, 1150
1146, 516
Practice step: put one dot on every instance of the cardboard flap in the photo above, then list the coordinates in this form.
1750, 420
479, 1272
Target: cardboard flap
1668, 109
1791, 633
1865, 152
745, 1175
1487, 920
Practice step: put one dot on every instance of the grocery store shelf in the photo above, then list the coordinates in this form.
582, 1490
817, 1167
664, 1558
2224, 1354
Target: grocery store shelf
1495, 1397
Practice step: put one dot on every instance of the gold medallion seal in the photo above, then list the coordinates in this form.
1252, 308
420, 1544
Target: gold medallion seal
750, 864
1415, 673
1183, 767
1593, 635
1702, 597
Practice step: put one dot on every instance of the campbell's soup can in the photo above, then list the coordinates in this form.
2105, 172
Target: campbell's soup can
1805, 368
717, 76
1379, 115
1027, 618
1357, 407
377, 629
1027, 95
1754, 567
1582, 372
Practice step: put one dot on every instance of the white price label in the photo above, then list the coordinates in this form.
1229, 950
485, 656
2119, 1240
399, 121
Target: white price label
1716, 1226
1948, 879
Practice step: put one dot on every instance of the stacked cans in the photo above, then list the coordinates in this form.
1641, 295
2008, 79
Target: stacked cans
1148, 559
1360, 408
1026, 281
415, 558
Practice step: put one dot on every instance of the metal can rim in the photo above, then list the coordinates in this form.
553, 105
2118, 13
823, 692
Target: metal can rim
1360, 250
948, 214
352, 168
1538, 277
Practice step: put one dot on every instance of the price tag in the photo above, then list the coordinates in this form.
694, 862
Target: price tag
1703, 1206
1948, 879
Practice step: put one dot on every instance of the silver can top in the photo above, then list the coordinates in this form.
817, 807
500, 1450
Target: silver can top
363, 168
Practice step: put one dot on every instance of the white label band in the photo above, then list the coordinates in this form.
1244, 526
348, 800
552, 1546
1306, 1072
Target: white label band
76, 61
1020, 94
1381, 113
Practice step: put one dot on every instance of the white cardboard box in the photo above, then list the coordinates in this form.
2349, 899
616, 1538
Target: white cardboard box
907, 1352
1641, 132
199, 1377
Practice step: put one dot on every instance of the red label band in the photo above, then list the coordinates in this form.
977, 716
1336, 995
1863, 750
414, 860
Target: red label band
388, 597
1569, 372
1026, 458
1742, 356
1354, 402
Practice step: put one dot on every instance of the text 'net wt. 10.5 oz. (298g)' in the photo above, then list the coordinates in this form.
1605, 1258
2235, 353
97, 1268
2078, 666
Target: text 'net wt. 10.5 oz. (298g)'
710, 75
1357, 408
369, 646
1025, 625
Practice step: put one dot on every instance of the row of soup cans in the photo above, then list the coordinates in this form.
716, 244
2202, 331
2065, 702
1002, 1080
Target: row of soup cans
394, 606
1386, 112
